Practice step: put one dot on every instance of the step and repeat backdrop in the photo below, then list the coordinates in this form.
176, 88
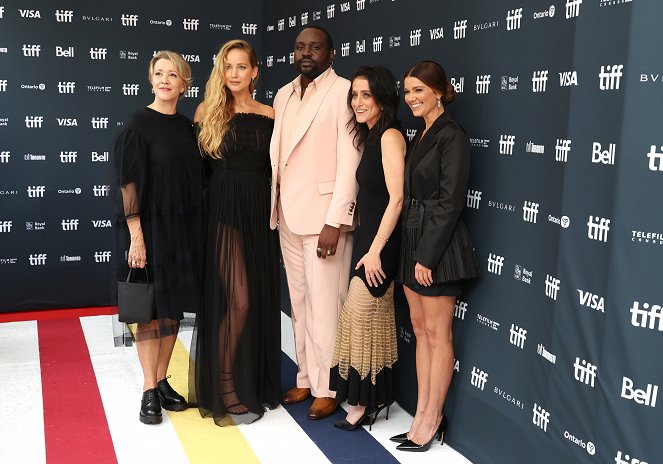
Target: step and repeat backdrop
558, 344
71, 72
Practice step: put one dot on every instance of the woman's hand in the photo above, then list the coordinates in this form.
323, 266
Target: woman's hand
423, 275
372, 268
137, 255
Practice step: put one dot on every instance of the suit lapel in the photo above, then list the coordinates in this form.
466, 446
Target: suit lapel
278, 123
420, 149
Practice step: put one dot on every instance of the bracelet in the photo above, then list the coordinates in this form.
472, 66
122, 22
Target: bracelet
380, 236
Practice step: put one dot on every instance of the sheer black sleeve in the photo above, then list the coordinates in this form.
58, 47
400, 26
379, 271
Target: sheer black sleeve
130, 168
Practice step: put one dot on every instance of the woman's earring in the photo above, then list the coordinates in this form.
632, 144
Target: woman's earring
253, 81
439, 102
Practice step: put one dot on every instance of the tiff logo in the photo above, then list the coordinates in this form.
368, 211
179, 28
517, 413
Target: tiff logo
377, 44
647, 317
101, 190
36, 191
130, 89
517, 336
5, 226
330, 11
479, 378
37, 259
129, 20
562, 148
249, 28
603, 156
473, 198
552, 287
541, 417
411, 134
513, 18
495, 263
190, 24
572, 8
627, 459
507, 142
610, 76
102, 256
64, 16
4, 156
98, 53
68, 156
539, 81
69, 224
270, 61
345, 49
281, 24
192, 92
584, 372
415, 37
483, 82
3, 85
34, 122
2, 11
654, 157
598, 228
31, 50
99, 123
66, 87
361, 4
304, 19
460, 28
530, 211
460, 309
360, 46
645, 397
291, 58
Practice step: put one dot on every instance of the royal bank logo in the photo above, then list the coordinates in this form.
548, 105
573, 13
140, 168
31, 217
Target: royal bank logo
495, 263
610, 76
648, 317
460, 29
541, 417
101, 190
269, 94
303, 19
530, 211
99, 123
549, 13
598, 228
5, 156
190, 24
191, 58
523, 274
588, 446
573, 8
377, 44
361, 4
130, 89
29, 14
513, 18
129, 20
101, 223
37, 259
360, 46
64, 16
394, 41
97, 157
517, 336
584, 372
568, 78
249, 28
531, 147
458, 84
415, 37
102, 256
66, 87
626, 459
545, 354
460, 309
655, 159
479, 378
67, 122
591, 301
601, 156
34, 122
645, 397
31, 50
562, 149
345, 7
473, 198
330, 11
539, 81
507, 142
491, 324
509, 83
5, 227
97, 53
68, 156
552, 287
69, 224
62, 52
482, 84
4, 122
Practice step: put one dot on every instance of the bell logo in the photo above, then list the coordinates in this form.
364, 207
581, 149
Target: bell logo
507, 143
603, 156
190, 24
100, 158
67, 122
460, 309
459, 84
102, 256
5, 226
101, 190
483, 83
34, 122
64, 52
64, 16
66, 87
68, 156
99, 123
479, 378
513, 18
572, 8
415, 38
345, 49
31, 50
539, 81
584, 372
69, 224
249, 28
459, 29
192, 92
37, 259
598, 228
4, 156
361, 46
655, 158
130, 89
129, 20
645, 397
473, 198
495, 264
610, 76
36, 191
32, 14
647, 317
541, 417
562, 148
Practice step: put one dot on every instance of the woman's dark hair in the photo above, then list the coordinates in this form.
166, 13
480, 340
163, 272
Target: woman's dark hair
382, 85
433, 75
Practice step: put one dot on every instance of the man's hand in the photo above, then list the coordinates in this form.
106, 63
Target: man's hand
327, 241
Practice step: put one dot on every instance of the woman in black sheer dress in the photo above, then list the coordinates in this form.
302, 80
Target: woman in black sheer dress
236, 347
158, 199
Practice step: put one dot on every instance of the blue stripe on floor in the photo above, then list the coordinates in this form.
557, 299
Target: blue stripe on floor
339, 446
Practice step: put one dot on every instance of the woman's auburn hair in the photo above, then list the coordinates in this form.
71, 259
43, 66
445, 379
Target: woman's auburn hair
218, 107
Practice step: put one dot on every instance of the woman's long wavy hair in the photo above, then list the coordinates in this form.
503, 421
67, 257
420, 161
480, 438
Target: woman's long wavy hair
382, 84
219, 106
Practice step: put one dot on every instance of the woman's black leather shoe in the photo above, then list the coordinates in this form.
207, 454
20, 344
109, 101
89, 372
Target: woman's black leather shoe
409, 445
169, 398
150, 408
368, 416
400, 438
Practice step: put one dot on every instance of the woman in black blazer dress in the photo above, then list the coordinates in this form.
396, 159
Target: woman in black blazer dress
436, 252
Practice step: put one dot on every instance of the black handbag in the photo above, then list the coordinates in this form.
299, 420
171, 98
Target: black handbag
135, 300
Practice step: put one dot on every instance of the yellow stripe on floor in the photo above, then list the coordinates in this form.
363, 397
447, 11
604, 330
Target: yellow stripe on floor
203, 441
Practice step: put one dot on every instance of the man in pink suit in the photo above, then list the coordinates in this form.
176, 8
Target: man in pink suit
313, 200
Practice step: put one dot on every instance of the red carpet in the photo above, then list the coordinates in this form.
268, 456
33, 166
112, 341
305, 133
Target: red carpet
45, 314
75, 425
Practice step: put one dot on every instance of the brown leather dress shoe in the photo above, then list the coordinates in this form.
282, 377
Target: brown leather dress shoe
296, 395
321, 408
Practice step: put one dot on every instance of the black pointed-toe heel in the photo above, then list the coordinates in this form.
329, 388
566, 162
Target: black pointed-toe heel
169, 398
400, 438
343, 424
409, 445
150, 407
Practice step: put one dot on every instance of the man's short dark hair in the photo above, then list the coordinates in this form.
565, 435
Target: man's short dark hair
330, 43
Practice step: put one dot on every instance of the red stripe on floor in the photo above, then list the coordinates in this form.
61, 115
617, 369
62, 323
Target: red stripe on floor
57, 313
75, 422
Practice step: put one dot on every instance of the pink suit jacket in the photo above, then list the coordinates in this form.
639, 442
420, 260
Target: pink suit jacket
318, 181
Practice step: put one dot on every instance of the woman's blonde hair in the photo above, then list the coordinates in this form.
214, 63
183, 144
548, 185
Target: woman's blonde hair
219, 106
182, 67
